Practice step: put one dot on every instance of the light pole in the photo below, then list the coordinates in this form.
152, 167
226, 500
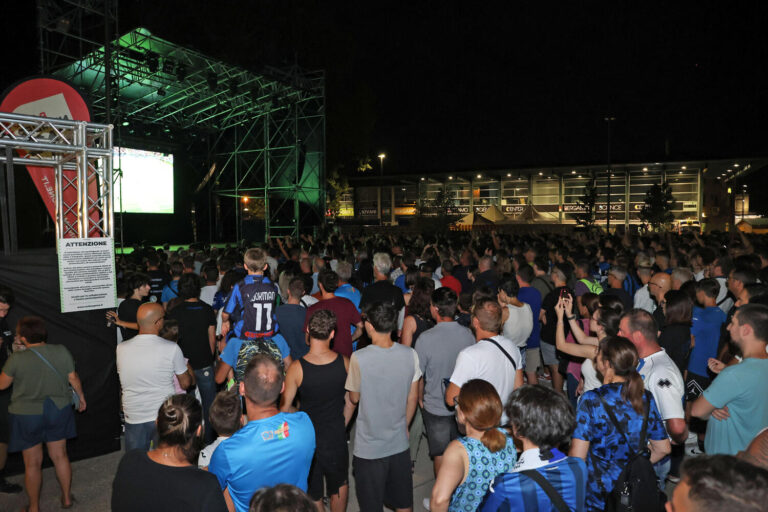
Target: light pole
743, 193
382, 156
609, 120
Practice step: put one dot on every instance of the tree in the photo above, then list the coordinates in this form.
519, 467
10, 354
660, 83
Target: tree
436, 214
586, 217
657, 210
338, 186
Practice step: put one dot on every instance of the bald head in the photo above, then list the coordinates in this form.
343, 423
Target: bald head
659, 285
149, 317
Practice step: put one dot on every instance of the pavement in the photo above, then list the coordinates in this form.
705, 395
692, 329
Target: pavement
92, 485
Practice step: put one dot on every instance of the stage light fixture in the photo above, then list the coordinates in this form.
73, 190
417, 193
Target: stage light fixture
125, 123
213, 81
168, 66
181, 71
153, 61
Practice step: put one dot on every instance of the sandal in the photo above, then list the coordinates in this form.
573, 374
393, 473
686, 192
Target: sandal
72, 501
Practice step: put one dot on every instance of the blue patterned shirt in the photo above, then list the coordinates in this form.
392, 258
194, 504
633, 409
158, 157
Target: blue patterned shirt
484, 465
608, 451
516, 492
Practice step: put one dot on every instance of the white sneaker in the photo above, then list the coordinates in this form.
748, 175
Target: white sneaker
425, 504
693, 438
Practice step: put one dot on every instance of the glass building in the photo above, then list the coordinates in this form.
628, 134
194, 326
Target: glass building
550, 194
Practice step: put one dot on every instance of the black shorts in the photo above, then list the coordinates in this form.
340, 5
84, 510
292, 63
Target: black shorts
384, 481
695, 386
441, 430
330, 466
5, 419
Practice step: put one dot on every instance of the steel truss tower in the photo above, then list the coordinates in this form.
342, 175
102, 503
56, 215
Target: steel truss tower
266, 128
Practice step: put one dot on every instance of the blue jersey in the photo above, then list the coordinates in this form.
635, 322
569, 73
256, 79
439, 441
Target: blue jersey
608, 451
706, 334
255, 297
264, 453
515, 491
532, 297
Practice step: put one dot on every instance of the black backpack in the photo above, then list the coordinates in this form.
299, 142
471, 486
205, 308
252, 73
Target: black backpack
636, 488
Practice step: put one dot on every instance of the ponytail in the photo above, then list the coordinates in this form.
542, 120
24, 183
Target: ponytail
482, 409
633, 390
493, 439
622, 355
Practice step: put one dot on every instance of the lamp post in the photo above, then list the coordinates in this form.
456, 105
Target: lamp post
609, 120
382, 156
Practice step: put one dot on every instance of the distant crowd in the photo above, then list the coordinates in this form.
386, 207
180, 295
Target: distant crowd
584, 372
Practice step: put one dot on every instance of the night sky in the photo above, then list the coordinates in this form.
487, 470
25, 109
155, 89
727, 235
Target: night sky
450, 86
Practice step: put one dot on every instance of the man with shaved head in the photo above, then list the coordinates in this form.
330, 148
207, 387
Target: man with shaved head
272, 448
146, 365
658, 286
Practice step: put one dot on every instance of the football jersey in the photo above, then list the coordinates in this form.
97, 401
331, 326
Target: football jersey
255, 298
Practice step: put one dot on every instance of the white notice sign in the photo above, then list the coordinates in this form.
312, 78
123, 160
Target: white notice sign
87, 274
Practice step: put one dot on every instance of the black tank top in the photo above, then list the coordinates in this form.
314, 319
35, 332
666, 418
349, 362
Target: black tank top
421, 326
322, 395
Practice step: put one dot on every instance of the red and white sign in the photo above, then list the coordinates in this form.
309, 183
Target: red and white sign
49, 97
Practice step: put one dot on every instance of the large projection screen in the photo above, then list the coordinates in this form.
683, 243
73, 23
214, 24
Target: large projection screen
145, 184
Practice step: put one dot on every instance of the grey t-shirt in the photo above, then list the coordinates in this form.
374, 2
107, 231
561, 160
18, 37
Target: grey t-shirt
383, 377
438, 348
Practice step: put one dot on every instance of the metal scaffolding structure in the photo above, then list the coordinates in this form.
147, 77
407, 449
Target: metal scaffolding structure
266, 127
80, 154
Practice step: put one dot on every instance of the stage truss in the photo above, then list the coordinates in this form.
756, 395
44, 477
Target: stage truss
266, 128
80, 154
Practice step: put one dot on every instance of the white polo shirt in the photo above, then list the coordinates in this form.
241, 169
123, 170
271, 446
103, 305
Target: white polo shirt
662, 378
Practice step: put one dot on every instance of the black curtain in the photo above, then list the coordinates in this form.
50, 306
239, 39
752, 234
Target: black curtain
33, 277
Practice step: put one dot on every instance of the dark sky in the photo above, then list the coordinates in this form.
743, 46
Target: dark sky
466, 85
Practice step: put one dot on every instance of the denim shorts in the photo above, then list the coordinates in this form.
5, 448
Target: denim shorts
441, 430
28, 430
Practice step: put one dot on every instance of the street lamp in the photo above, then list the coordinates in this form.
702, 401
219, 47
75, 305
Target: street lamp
382, 156
609, 120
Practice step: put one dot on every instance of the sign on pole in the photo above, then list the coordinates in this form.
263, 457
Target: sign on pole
87, 274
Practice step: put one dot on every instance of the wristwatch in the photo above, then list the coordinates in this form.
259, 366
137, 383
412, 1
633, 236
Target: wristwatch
572, 317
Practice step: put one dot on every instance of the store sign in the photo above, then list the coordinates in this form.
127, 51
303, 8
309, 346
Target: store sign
368, 212
463, 210
481, 209
689, 206
574, 208
614, 207
513, 209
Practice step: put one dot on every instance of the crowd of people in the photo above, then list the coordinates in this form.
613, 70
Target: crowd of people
583, 373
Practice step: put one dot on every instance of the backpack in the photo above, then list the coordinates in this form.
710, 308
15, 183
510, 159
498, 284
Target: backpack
636, 488
592, 286
251, 347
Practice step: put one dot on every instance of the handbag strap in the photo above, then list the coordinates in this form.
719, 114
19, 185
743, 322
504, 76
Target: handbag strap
38, 354
554, 496
644, 430
502, 349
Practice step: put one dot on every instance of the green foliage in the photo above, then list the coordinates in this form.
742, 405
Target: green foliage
587, 201
436, 214
338, 186
657, 210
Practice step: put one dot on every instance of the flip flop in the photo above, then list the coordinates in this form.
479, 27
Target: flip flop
72, 501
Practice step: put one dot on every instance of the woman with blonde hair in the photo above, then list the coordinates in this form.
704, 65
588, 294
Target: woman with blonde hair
470, 463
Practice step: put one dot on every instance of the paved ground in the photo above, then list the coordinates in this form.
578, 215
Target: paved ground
92, 485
